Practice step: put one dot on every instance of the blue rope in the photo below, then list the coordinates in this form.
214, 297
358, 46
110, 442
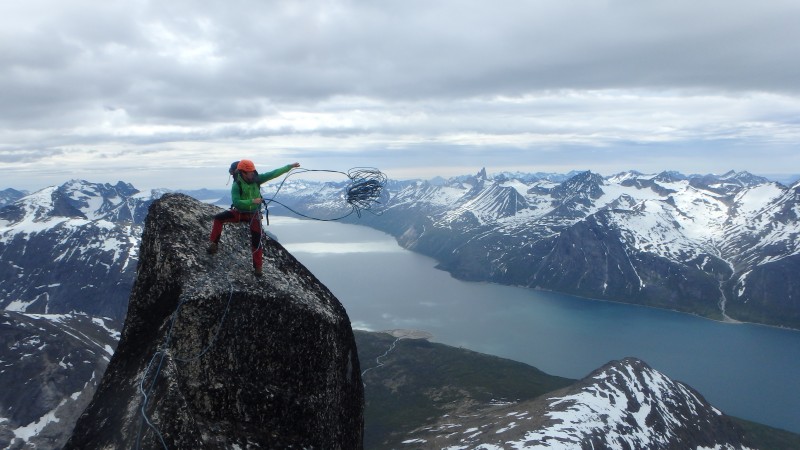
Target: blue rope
145, 395
162, 352
364, 189
213, 338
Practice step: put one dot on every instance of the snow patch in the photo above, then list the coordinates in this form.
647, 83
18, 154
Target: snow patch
32, 429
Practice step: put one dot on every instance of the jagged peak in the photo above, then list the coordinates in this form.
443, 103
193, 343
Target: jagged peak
84, 186
745, 178
624, 175
125, 188
270, 361
10, 195
588, 175
624, 404
670, 176
730, 182
14, 192
583, 181
437, 181
93, 188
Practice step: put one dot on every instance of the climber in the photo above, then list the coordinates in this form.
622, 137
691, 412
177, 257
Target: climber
246, 196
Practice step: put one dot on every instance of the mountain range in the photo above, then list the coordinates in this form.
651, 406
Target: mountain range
721, 246
71, 248
68, 258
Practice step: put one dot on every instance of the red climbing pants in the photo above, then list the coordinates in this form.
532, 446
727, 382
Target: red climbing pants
234, 216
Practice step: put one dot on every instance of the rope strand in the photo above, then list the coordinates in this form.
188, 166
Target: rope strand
161, 354
363, 190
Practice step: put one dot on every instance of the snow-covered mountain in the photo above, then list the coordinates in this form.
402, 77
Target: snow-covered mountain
71, 248
68, 255
50, 366
8, 196
724, 246
75, 248
624, 404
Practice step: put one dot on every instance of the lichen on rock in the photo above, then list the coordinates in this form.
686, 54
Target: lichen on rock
226, 359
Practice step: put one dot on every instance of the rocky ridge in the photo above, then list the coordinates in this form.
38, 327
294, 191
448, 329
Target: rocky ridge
225, 359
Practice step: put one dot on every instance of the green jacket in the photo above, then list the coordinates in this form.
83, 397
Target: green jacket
243, 193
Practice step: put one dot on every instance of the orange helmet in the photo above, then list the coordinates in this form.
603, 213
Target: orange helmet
246, 165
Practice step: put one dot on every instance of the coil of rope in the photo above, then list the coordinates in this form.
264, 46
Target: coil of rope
363, 191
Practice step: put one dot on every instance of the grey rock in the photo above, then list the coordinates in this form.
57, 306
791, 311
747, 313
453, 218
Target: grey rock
226, 360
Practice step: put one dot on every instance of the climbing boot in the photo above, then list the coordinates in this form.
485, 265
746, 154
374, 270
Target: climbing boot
212, 248
259, 272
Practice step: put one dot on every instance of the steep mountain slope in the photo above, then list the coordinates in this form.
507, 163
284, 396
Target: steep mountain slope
720, 246
765, 252
624, 404
408, 380
8, 196
50, 366
213, 357
71, 248
424, 395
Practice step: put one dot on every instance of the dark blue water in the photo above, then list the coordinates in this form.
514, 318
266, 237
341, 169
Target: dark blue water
748, 371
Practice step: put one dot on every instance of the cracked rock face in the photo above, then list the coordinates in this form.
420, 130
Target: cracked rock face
225, 359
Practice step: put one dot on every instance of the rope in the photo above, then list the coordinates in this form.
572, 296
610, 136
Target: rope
214, 337
162, 352
257, 216
146, 398
363, 190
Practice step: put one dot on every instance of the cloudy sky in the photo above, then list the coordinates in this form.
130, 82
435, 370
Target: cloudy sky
167, 93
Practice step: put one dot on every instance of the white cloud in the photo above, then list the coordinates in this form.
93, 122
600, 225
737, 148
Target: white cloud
405, 85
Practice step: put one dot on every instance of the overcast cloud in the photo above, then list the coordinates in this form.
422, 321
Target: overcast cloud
168, 93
